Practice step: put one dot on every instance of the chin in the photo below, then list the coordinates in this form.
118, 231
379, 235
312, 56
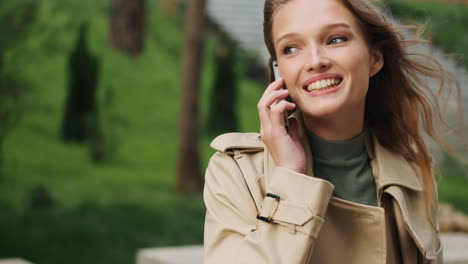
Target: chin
320, 112
321, 109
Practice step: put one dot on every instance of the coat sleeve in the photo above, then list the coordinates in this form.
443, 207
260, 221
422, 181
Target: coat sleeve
233, 234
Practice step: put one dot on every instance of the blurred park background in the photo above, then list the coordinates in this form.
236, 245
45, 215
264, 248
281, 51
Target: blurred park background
92, 121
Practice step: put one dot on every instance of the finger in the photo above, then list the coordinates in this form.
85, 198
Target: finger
265, 107
268, 99
277, 112
265, 104
276, 85
264, 116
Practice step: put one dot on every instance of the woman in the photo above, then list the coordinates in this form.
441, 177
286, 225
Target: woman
350, 180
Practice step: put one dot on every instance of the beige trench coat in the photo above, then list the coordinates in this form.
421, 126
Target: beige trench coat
241, 174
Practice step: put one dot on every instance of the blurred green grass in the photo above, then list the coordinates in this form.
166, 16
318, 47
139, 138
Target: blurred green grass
453, 183
104, 213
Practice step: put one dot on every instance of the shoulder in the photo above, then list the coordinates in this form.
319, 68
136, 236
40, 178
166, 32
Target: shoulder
227, 162
231, 178
243, 142
239, 156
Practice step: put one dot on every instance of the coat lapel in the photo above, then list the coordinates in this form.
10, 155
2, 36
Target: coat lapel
390, 168
396, 176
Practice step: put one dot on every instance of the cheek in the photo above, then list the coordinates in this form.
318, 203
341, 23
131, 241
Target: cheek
360, 61
358, 65
356, 62
353, 59
290, 72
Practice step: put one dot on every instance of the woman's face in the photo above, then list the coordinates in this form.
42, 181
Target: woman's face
323, 57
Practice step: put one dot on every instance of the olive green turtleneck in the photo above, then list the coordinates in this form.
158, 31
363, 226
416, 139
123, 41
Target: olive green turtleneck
346, 165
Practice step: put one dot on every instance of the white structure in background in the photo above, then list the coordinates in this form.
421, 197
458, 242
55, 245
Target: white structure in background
243, 20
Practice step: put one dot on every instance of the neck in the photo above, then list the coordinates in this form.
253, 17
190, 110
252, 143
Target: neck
338, 127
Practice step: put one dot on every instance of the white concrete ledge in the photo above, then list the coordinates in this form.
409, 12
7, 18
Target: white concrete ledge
14, 261
455, 248
171, 255
455, 252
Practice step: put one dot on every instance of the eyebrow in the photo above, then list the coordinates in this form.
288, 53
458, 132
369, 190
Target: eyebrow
328, 26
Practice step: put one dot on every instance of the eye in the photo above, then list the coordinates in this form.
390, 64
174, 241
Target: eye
337, 40
289, 50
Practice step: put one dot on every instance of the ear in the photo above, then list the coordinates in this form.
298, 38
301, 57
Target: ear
377, 61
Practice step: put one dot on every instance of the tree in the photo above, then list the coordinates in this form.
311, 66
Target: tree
189, 178
222, 116
127, 26
81, 100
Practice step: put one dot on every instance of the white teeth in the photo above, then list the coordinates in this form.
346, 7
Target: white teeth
318, 85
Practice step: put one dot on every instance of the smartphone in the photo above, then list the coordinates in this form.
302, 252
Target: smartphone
277, 75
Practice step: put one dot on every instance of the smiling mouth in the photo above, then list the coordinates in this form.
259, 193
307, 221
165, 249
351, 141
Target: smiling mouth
322, 85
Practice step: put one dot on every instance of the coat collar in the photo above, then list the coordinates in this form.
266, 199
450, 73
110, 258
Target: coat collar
389, 168
393, 174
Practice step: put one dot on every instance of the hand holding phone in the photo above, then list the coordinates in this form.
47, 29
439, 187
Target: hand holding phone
281, 137
277, 76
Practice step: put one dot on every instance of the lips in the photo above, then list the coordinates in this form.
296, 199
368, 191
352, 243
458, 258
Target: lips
322, 82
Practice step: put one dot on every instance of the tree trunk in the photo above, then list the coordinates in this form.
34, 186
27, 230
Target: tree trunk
127, 26
189, 178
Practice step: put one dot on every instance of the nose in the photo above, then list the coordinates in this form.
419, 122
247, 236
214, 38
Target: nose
318, 60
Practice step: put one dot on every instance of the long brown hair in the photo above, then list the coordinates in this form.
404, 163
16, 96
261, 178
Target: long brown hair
399, 101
